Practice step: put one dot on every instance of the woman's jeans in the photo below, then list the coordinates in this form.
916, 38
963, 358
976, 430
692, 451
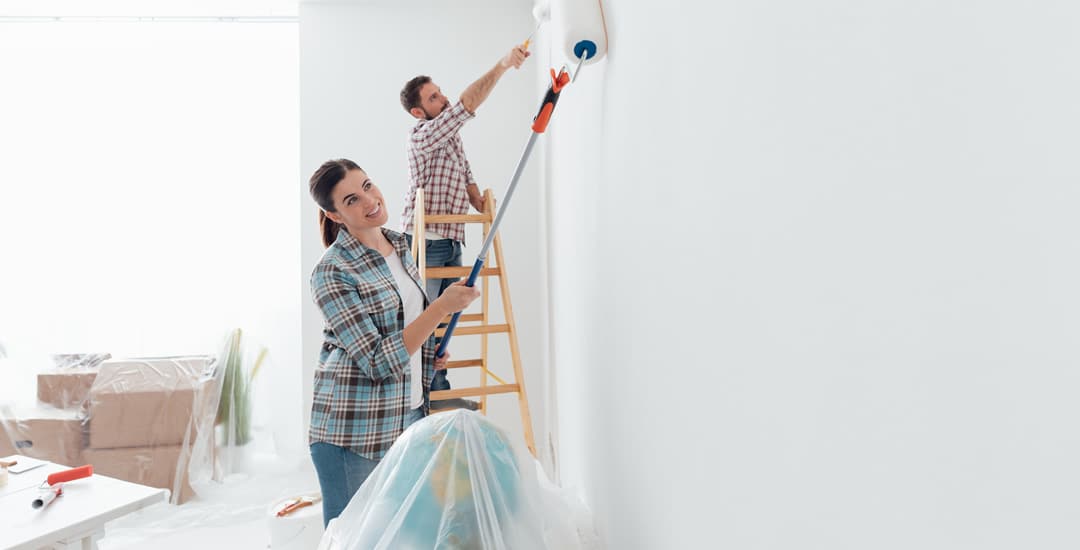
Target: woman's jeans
341, 472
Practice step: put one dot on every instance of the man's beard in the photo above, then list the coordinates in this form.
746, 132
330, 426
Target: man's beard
444, 108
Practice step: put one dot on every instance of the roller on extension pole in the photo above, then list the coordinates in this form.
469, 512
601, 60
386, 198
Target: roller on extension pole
584, 36
547, 107
581, 30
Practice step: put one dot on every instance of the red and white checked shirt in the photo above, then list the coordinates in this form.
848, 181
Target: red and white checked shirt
437, 163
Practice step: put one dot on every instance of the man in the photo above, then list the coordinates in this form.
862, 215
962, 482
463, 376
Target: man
437, 164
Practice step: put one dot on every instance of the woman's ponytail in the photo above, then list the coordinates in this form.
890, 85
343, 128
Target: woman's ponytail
321, 186
327, 228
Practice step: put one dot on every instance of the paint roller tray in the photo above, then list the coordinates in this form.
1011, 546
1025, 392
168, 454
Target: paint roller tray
23, 463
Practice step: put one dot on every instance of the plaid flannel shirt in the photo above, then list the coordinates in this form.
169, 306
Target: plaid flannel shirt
437, 163
362, 381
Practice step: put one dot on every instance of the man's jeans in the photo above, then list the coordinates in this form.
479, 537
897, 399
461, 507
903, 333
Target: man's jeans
440, 253
341, 472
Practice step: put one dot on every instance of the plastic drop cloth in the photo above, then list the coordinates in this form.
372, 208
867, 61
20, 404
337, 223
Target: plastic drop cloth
452, 481
147, 420
151, 421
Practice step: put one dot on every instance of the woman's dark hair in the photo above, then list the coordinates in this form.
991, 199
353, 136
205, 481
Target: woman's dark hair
321, 186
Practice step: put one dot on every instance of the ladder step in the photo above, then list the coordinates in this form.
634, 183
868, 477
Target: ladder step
434, 410
466, 318
474, 392
457, 218
482, 329
479, 323
459, 272
465, 363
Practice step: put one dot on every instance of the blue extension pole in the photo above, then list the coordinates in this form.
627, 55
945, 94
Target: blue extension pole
539, 125
479, 264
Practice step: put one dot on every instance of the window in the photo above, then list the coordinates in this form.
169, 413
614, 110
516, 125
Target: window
149, 185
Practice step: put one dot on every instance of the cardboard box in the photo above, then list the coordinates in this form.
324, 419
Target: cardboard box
145, 402
56, 435
162, 467
65, 387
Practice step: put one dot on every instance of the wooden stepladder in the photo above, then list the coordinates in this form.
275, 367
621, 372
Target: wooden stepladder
477, 323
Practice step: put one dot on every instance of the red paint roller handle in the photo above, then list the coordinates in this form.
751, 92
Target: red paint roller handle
548, 106
70, 475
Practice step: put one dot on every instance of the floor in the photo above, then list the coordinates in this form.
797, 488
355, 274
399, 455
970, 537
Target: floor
231, 514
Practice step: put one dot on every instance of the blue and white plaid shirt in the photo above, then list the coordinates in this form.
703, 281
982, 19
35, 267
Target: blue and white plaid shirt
362, 381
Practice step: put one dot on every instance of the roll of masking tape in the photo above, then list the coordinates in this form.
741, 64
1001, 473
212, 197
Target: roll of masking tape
302, 529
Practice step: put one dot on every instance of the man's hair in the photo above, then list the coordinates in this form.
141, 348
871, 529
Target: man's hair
410, 94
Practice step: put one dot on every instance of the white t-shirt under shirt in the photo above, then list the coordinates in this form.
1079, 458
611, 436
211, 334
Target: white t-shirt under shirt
413, 300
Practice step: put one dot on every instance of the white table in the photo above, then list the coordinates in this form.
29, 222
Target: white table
76, 519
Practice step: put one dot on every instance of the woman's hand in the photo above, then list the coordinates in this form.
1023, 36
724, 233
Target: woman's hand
457, 297
440, 362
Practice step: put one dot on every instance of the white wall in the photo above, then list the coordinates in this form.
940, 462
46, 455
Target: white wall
814, 275
354, 59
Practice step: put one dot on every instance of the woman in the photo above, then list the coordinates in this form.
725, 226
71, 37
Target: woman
378, 353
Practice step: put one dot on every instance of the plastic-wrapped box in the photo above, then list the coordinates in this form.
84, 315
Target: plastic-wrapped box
164, 466
151, 421
144, 402
64, 388
68, 383
148, 421
56, 435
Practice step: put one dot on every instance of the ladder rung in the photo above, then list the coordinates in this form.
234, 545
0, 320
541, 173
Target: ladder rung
465, 363
462, 272
481, 329
474, 392
437, 411
466, 318
456, 218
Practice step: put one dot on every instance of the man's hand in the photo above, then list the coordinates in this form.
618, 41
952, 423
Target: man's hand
478, 91
515, 58
476, 199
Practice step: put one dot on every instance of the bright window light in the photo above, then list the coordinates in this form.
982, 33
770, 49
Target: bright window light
148, 186
151, 8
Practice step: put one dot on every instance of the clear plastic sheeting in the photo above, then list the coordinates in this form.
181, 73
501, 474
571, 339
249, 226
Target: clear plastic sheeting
453, 481
45, 433
79, 360
151, 421
232, 513
68, 383
148, 421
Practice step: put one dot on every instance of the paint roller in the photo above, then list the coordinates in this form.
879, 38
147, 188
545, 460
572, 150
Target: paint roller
541, 13
581, 30
585, 38
54, 485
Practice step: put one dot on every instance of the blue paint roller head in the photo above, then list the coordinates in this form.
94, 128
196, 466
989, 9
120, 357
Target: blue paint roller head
585, 48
